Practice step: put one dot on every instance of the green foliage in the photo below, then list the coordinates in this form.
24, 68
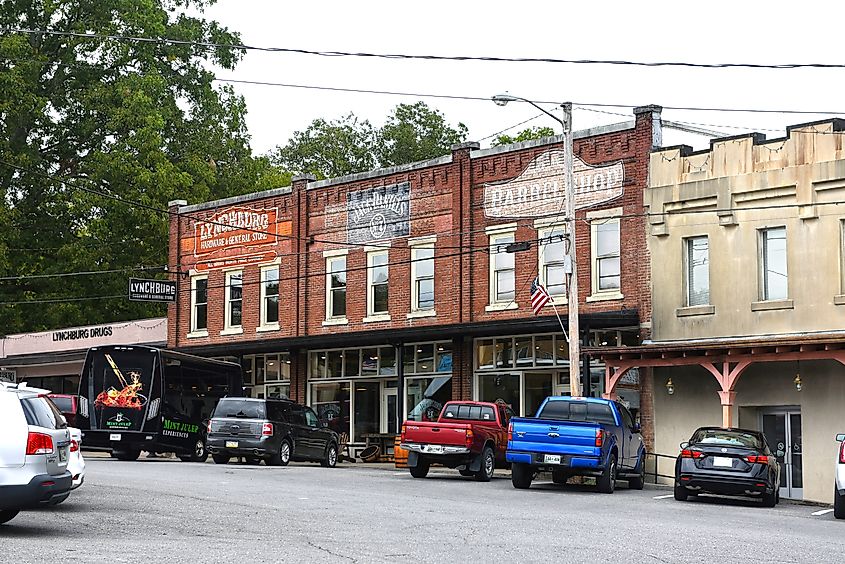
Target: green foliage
524, 135
142, 121
412, 132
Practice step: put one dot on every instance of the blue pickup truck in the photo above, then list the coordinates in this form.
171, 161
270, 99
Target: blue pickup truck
572, 436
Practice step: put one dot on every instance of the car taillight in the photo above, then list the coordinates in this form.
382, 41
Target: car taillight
267, 430
599, 437
842, 452
754, 459
687, 453
470, 436
74, 445
510, 432
39, 443
208, 427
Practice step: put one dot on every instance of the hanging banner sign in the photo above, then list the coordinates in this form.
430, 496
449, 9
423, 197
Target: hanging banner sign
141, 290
541, 188
376, 214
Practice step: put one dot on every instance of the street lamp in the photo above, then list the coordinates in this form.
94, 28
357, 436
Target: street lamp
572, 287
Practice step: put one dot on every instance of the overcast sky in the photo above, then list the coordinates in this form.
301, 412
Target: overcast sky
701, 32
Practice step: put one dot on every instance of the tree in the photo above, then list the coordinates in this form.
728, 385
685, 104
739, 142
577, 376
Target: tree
139, 120
415, 132
329, 148
524, 135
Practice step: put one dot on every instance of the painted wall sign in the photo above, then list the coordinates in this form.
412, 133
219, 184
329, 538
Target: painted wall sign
141, 290
379, 213
540, 189
237, 236
143, 331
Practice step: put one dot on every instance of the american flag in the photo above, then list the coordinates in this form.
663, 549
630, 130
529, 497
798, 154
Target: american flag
539, 296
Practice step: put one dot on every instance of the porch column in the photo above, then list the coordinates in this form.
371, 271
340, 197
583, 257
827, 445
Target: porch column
728, 399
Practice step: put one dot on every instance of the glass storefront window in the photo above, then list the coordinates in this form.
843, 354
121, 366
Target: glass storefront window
408, 359
369, 363
523, 352
278, 391
334, 361
444, 357
331, 403
387, 361
538, 386
562, 351
425, 397
272, 369
425, 358
544, 350
504, 350
318, 365
367, 409
260, 370
246, 365
284, 366
505, 387
485, 354
351, 362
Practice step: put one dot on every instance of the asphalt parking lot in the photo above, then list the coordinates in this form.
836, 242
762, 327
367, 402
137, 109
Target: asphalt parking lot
171, 511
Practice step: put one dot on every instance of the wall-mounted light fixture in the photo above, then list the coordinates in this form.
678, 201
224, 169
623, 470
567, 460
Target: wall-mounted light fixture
797, 380
670, 387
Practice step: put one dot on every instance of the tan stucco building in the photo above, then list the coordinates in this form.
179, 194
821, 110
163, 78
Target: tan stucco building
748, 328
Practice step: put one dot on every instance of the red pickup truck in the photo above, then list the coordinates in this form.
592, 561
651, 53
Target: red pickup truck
469, 435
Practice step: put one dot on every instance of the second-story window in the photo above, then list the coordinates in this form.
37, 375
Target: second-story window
199, 303
336, 287
773, 276
502, 269
234, 299
697, 267
377, 283
422, 278
553, 262
607, 276
270, 296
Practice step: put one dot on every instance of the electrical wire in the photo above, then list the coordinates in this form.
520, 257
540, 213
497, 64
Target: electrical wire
81, 273
404, 56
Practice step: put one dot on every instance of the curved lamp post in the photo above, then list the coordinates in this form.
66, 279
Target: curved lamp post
572, 286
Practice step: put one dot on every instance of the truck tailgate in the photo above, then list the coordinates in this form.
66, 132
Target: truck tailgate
554, 437
430, 432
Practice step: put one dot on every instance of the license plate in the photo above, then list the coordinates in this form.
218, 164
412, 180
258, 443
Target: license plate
114, 437
551, 459
723, 462
62, 455
231, 444
434, 449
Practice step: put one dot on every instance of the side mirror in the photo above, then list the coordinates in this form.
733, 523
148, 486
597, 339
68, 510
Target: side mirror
684, 445
840, 437
636, 428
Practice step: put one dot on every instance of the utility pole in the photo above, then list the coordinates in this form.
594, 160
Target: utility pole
572, 286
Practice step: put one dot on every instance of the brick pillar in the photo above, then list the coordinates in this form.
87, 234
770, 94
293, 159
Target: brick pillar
299, 246
174, 267
298, 375
462, 369
461, 226
647, 407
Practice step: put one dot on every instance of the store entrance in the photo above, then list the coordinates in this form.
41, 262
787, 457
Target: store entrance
782, 428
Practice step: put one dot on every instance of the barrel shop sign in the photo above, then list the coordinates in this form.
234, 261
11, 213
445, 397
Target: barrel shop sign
237, 236
540, 189
141, 290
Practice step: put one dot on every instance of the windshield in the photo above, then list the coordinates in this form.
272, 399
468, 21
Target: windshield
122, 382
566, 410
236, 407
720, 437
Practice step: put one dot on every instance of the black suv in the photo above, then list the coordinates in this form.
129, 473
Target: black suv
275, 430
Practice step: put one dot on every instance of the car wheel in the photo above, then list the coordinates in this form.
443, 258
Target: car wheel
220, 458
638, 482
521, 475
127, 455
838, 504
681, 493
466, 472
488, 466
199, 454
330, 458
606, 483
770, 499
282, 457
6, 516
421, 469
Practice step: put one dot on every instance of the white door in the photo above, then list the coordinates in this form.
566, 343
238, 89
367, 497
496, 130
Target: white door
389, 406
782, 429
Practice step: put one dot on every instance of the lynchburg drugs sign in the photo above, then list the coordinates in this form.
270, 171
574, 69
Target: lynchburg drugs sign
141, 290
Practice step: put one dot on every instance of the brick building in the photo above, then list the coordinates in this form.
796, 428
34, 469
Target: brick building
377, 296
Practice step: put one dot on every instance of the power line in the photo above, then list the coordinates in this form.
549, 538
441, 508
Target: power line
80, 273
62, 300
424, 57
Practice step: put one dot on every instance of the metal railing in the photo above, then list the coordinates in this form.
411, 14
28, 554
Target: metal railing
652, 466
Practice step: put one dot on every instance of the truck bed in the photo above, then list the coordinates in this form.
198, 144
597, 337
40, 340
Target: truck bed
549, 436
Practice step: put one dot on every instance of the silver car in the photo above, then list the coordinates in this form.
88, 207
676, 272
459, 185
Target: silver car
34, 451
839, 485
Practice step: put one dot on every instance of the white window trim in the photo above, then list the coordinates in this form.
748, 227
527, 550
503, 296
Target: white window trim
228, 328
340, 320
762, 263
263, 325
427, 312
494, 232
373, 315
419, 241
606, 216
197, 333
550, 228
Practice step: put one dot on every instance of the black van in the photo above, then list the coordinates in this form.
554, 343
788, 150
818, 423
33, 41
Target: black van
274, 430
134, 398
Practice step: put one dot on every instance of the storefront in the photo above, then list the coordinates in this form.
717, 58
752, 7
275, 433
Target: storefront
52, 360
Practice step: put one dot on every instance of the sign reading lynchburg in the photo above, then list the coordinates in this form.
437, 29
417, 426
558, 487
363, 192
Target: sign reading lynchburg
378, 213
237, 236
541, 188
142, 290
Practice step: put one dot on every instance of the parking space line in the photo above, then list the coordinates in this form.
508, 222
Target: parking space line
667, 497
822, 512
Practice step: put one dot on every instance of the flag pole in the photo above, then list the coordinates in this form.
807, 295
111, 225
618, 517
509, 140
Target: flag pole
554, 307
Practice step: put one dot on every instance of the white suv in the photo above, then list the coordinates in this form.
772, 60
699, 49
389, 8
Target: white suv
34, 450
839, 485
